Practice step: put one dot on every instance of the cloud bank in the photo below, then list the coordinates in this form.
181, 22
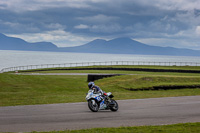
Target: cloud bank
71, 23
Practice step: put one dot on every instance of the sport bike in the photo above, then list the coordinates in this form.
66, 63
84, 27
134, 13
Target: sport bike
98, 102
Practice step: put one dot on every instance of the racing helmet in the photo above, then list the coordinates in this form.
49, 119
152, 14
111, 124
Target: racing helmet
91, 85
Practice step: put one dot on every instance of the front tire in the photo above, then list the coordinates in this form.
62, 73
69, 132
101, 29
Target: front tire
93, 105
115, 106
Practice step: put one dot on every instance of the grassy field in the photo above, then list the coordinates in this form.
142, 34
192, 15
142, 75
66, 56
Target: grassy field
175, 128
117, 72
35, 89
19, 89
29, 90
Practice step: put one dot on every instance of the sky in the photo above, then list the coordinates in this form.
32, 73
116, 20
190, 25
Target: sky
66, 23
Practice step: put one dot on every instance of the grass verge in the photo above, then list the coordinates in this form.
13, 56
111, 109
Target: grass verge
35, 89
121, 66
174, 128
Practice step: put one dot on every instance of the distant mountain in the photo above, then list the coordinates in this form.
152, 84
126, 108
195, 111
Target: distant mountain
12, 43
115, 46
128, 46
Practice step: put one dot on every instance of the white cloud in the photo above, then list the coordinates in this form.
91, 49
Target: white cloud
58, 37
173, 4
55, 26
106, 28
100, 18
81, 26
170, 42
198, 30
33, 5
48, 20
15, 26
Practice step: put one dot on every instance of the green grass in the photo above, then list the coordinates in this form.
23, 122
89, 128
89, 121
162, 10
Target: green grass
35, 89
147, 81
117, 72
28, 90
63, 70
174, 128
119, 84
135, 66
160, 67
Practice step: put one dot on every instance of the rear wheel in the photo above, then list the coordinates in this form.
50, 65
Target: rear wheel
93, 105
114, 105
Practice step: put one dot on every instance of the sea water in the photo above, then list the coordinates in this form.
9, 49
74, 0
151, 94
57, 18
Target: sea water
9, 58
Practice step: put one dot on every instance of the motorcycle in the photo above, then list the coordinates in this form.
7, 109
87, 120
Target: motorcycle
97, 102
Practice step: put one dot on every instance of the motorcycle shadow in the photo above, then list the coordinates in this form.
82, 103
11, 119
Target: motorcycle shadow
101, 111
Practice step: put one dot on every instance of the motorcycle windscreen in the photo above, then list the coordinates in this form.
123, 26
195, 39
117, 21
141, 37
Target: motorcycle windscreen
111, 96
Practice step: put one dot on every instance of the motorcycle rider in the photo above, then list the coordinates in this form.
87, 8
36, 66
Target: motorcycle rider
96, 89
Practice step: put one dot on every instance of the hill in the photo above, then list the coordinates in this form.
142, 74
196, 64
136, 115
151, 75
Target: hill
12, 43
128, 46
115, 46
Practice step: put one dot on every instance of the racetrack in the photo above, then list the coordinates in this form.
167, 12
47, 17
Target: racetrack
153, 111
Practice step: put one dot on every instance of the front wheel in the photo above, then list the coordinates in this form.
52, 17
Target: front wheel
93, 105
114, 105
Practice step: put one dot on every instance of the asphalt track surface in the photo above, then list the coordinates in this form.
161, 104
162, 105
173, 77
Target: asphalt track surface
153, 111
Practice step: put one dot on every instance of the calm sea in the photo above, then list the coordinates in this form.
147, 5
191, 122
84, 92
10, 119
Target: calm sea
20, 58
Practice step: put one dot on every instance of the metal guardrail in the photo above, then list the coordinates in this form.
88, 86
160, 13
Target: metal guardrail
107, 63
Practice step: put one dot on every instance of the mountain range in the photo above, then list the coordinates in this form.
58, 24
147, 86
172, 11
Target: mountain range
115, 46
12, 43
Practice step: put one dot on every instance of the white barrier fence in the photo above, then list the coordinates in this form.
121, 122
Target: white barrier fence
108, 63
